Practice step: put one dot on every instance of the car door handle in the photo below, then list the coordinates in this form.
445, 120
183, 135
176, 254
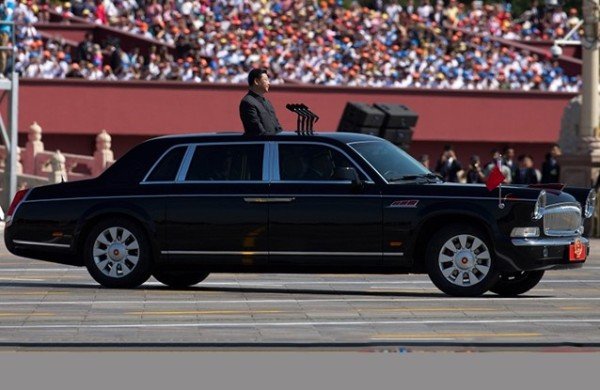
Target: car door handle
268, 200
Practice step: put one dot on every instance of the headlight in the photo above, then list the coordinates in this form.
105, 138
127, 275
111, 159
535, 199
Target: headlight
590, 204
540, 205
525, 232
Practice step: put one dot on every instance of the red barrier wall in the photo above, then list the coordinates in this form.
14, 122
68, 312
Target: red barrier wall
72, 112
154, 108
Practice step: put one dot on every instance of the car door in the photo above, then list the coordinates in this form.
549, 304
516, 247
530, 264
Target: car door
316, 219
213, 217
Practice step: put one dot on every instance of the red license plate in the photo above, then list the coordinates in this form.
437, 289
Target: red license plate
577, 251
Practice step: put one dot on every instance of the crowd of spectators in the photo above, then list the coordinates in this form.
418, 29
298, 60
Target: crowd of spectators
317, 42
517, 170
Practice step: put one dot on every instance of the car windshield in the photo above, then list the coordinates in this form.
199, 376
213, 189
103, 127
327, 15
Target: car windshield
392, 163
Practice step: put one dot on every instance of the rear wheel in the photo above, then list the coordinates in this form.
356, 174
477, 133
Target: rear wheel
460, 262
518, 283
117, 254
179, 278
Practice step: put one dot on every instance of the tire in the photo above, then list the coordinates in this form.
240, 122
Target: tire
117, 253
516, 284
179, 278
460, 261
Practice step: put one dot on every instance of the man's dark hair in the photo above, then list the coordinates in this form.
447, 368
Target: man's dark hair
254, 74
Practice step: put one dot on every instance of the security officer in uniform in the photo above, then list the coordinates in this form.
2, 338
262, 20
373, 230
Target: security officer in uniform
256, 112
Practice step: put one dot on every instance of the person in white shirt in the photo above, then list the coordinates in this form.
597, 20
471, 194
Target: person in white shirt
425, 10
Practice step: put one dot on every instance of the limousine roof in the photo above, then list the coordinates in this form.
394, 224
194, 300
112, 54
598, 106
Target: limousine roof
286, 135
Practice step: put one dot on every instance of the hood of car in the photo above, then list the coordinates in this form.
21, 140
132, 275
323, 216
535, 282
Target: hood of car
509, 192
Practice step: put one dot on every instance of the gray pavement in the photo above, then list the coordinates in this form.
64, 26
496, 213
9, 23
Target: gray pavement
43, 303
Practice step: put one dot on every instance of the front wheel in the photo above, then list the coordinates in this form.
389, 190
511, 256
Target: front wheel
117, 254
516, 284
460, 262
179, 278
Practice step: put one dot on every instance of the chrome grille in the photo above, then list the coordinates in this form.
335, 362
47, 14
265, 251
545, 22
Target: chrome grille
563, 220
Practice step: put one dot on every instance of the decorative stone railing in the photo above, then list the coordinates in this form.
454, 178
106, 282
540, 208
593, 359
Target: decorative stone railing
37, 166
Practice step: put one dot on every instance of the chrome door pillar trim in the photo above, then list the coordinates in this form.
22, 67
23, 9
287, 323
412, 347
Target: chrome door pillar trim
185, 164
266, 168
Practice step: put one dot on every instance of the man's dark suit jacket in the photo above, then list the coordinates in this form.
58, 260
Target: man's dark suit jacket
550, 171
258, 115
525, 176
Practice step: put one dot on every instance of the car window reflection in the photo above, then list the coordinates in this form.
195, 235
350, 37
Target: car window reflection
309, 162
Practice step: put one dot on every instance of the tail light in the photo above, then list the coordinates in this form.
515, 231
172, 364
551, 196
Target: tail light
19, 196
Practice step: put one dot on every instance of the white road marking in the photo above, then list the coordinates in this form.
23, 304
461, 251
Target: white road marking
191, 301
41, 269
273, 324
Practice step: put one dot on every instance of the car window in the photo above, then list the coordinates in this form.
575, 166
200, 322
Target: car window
167, 167
389, 160
304, 162
226, 163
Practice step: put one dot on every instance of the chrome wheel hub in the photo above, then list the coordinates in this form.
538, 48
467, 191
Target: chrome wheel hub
464, 260
116, 252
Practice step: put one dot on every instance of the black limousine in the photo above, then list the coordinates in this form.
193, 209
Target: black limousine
181, 207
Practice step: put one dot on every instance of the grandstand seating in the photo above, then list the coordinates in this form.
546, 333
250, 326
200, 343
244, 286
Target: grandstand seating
450, 46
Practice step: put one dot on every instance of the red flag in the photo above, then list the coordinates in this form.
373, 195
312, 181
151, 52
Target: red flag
495, 178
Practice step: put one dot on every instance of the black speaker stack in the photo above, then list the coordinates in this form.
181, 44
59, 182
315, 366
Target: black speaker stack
394, 122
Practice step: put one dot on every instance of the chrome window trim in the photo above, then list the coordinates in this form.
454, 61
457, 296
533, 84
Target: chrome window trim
222, 182
277, 177
185, 163
345, 182
274, 163
187, 159
145, 179
266, 172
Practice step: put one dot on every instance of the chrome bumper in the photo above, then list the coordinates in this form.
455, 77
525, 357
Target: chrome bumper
551, 241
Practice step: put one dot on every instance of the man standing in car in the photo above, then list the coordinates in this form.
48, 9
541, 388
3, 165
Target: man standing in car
256, 112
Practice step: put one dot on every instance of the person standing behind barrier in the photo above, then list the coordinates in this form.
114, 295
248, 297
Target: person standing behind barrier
506, 171
475, 173
508, 155
448, 165
550, 167
526, 173
6, 15
256, 112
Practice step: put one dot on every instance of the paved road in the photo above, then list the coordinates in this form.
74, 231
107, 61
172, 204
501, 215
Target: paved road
46, 303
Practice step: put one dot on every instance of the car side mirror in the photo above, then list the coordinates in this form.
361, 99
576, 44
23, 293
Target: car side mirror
348, 173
